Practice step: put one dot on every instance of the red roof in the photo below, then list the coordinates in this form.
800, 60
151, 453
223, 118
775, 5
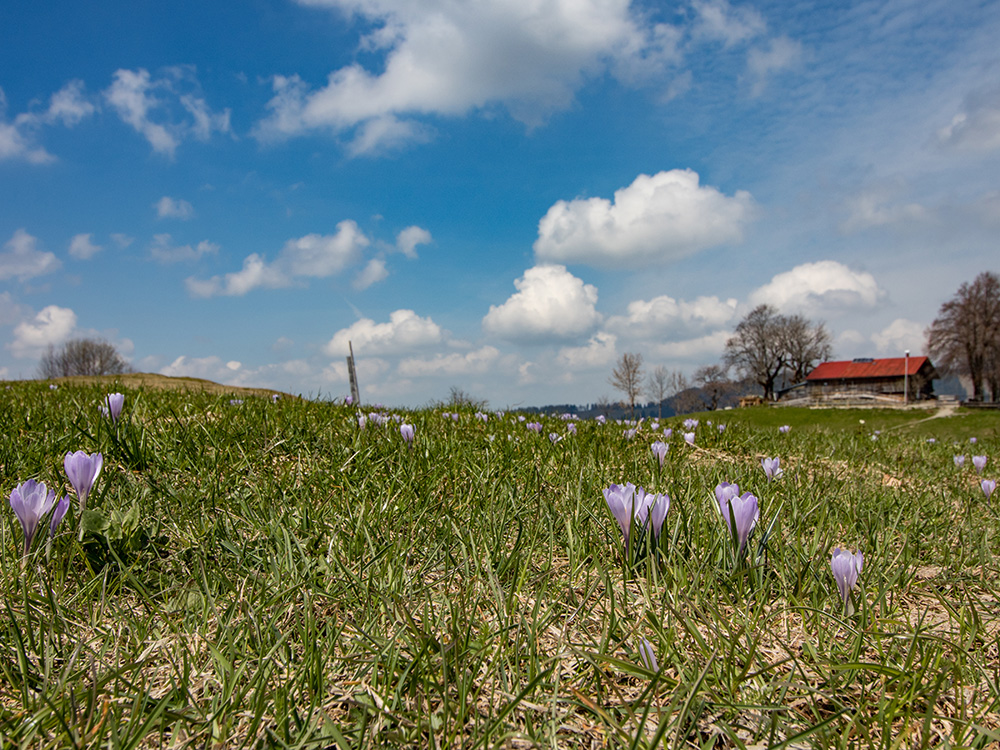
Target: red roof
894, 367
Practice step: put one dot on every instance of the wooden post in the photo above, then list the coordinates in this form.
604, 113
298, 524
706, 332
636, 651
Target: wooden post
353, 375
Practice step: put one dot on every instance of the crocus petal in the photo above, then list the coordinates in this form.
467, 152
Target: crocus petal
846, 567
647, 655
82, 469
988, 485
30, 501
58, 514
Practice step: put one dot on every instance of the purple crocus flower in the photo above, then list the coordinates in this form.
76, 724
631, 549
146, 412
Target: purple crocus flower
600, 419
653, 506
667, 433
690, 424
744, 511
846, 567
554, 437
629, 434
58, 514
571, 428
973, 440
647, 655
621, 502
362, 421
724, 492
979, 462
30, 501
722, 428
784, 429
112, 406
535, 427
406, 430
772, 467
959, 461
689, 438
82, 469
659, 449
988, 486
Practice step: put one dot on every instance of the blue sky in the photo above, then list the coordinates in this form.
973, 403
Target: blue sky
501, 195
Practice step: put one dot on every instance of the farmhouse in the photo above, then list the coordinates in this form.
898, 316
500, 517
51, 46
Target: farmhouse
893, 380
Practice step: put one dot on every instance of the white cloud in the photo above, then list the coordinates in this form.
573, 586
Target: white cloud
448, 59
69, 105
977, 126
598, 353
17, 138
10, 311
372, 273
81, 247
164, 110
876, 207
208, 368
165, 251
122, 240
173, 208
824, 286
21, 258
469, 363
311, 256
52, 326
899, 336
697, 350
719, 21
550, 304
405, 331
654, 220
780, 55
409, 238
665, 315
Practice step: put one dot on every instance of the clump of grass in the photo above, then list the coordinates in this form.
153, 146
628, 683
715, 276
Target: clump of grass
264, 574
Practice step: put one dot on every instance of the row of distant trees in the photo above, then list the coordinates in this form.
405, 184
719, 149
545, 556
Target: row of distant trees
770, 349
767, 348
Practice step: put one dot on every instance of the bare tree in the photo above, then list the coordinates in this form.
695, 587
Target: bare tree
806, 344
756, 348
664, 383
964, 339
627, 378
714, 383
82, 357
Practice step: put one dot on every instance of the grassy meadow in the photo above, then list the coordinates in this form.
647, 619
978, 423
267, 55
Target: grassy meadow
267, 573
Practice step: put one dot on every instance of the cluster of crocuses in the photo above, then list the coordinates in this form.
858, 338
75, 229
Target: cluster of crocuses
637, 510
988, 486
31, 501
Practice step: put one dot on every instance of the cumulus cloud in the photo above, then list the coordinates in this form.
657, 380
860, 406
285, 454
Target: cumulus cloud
82, 247
408, 239
550, 304
207, 368
173, 208
166, 109
656, 219
164, 250
122, 240
10, 311
899, 336
468, 363
404, 331
664, 315
976, 127
448, 59
699, 349
825, 286
21, 258
311, 256
598, 353
50, 327
68, 106
374, 272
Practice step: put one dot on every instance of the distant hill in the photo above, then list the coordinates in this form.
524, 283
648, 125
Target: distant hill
166, 383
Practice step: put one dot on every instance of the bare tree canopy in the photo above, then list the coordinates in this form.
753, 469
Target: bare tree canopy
964, 339
714, 382
627, 378
82, 357
767, 344
663, 384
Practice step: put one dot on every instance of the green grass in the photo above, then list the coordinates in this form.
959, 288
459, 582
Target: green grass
269, 575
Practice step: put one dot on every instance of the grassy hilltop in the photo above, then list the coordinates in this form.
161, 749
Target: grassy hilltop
260, 572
